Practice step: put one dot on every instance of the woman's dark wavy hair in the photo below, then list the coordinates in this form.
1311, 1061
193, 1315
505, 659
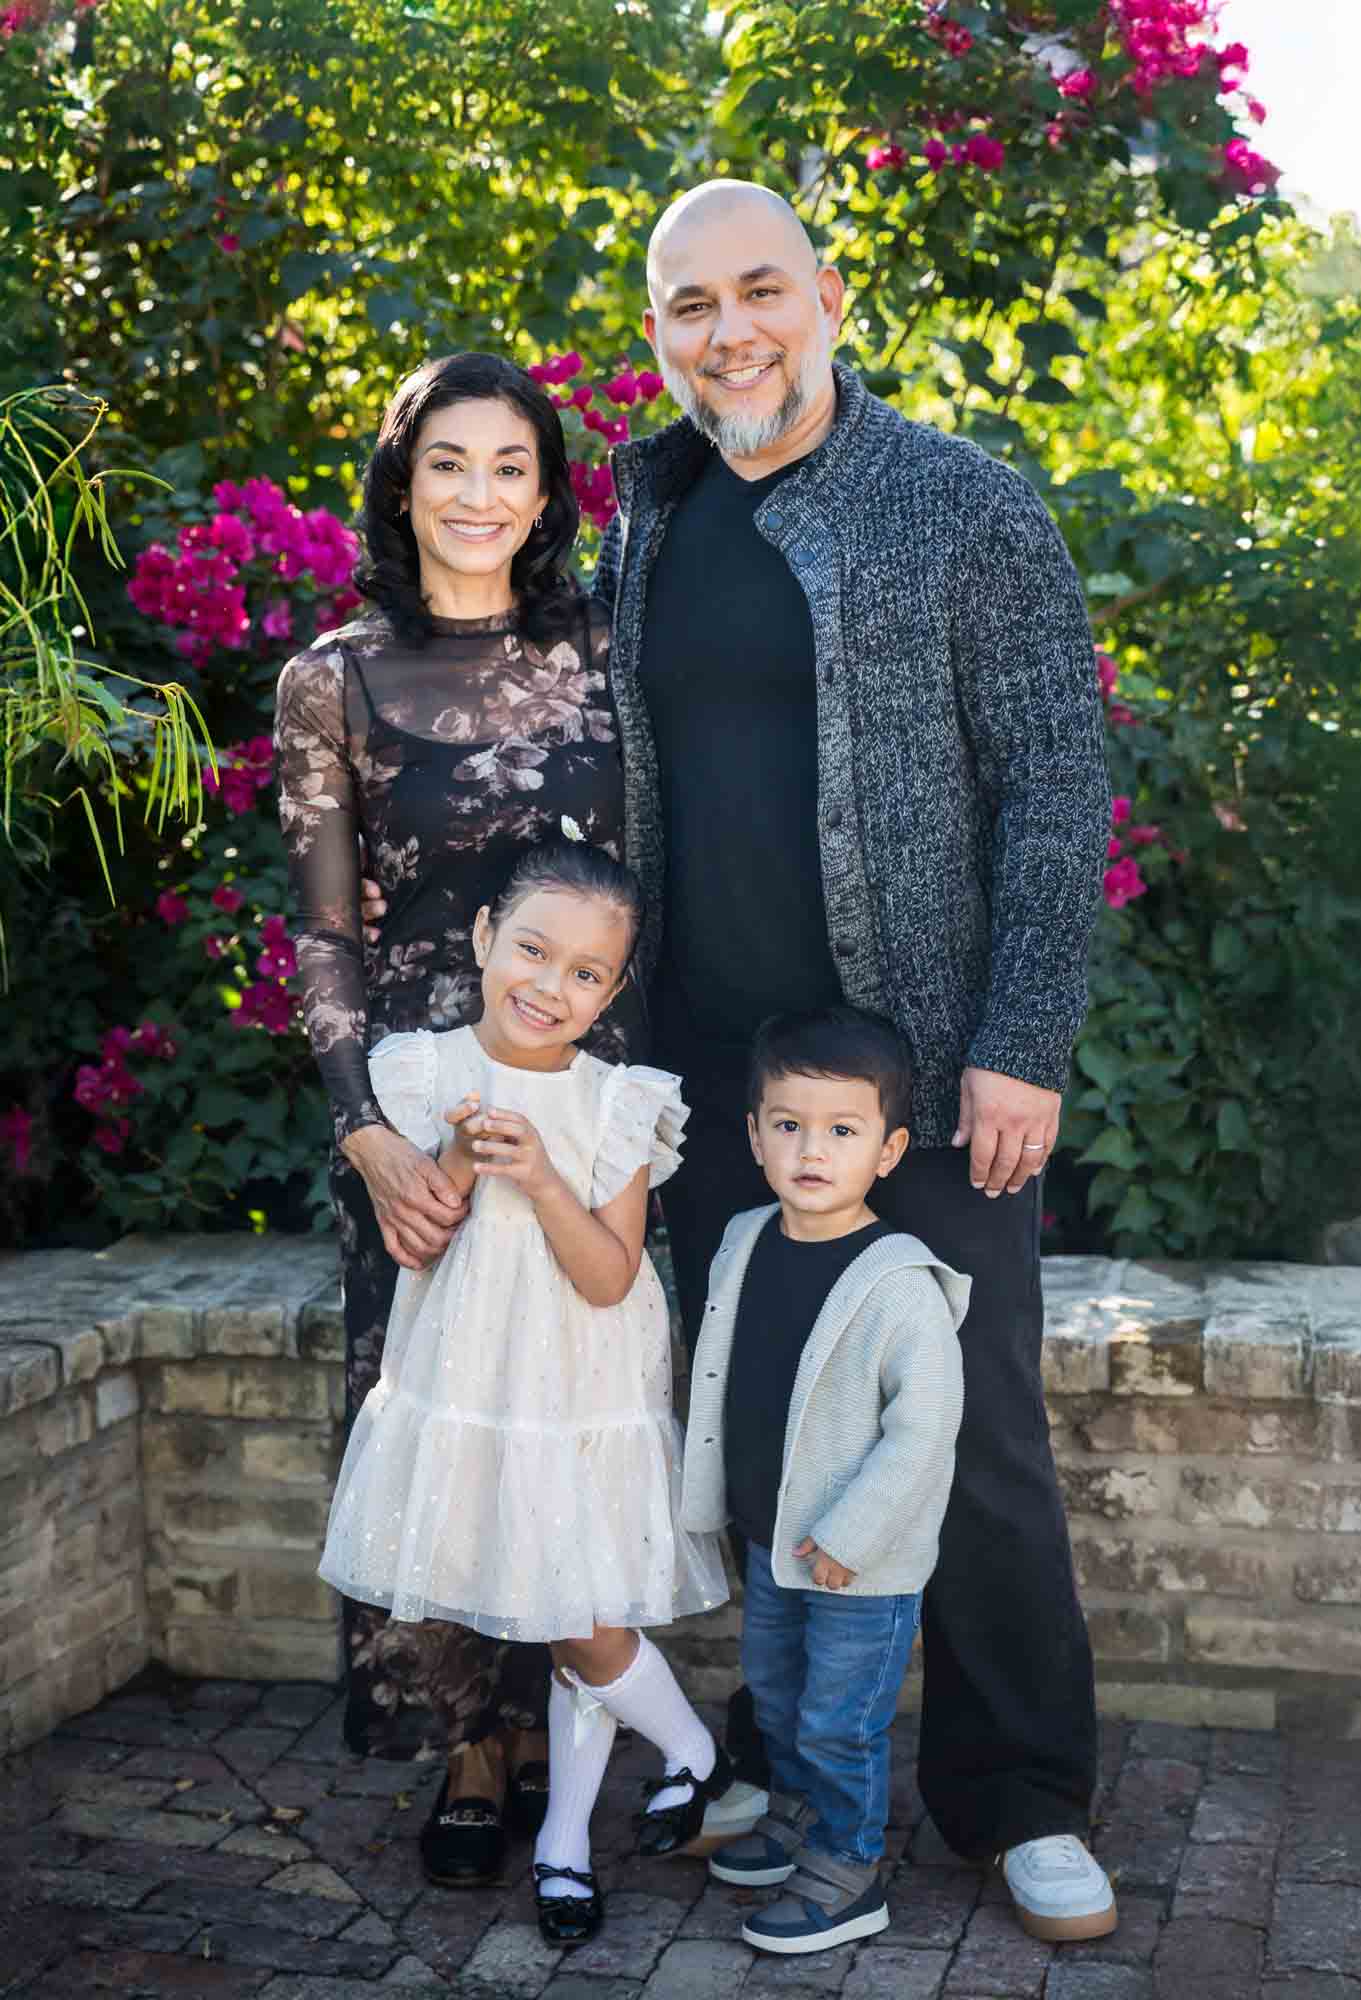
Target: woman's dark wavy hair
389, 573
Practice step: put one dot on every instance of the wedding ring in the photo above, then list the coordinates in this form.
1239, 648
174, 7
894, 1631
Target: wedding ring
1027, 1146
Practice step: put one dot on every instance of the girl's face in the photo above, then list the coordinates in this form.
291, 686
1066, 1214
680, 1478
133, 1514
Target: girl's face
475, 490
552, 963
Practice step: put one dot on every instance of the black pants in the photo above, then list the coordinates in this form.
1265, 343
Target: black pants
1008, 1727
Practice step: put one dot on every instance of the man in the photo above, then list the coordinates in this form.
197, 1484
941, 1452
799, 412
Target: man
863, 750
864, 760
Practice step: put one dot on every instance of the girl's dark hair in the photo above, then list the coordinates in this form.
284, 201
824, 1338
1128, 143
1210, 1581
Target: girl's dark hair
835, 1041
389, 572
579, 869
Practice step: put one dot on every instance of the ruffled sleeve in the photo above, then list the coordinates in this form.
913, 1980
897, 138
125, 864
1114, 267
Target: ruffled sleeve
644, 1118
402, 1070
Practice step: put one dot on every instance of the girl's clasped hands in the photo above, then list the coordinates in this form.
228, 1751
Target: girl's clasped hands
501, 1143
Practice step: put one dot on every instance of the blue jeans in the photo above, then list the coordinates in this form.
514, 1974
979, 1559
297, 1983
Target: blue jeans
824, 1669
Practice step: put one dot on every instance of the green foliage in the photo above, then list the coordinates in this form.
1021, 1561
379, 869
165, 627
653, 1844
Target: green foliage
238, 225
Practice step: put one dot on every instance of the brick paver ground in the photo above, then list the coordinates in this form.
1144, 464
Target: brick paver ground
215, 1841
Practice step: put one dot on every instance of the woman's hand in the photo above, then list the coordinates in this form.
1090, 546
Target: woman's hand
508, 1147
417, 1206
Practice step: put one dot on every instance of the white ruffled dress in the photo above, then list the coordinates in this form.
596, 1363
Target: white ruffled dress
517, 1467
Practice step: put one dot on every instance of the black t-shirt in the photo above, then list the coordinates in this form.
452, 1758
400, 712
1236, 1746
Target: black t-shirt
729, 676
784, 1288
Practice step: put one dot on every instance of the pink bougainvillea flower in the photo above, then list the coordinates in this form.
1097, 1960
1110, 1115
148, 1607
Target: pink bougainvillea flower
277, 622
1078, 83
214, 946
616, 430
1234, 55
1122, 882
279, 959
16, 1132
224, 897
624, 389
1248, 172
1114, 848
880, 159
1231, 821
229, 244
1049, 1219
1120, 810
650, 385
171, 908
1107, 673
151, 1039
227, 494
1119, 716
985, 152
1256, 110
266, 1005
111, 1136
1055, 132
539, 371
935, 153
1143, 836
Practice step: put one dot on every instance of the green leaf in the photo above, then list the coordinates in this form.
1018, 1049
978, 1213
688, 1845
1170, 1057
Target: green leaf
1232, 1129
1114, 1148
1101, 1061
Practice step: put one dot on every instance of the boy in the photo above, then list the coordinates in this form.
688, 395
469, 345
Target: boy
825, 1400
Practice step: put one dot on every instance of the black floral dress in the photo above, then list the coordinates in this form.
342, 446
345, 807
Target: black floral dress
450, 759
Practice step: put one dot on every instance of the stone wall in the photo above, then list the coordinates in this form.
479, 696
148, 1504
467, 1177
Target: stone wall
170, 1423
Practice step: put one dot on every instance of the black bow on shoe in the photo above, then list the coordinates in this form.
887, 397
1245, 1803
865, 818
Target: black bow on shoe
674, 1827
567, 1920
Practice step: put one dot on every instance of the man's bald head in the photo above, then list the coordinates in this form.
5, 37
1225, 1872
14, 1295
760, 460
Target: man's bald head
768, 214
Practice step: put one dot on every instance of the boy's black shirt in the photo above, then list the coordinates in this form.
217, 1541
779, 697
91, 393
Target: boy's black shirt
784, 1288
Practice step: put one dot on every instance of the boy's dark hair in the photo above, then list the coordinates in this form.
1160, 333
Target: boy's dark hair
579, 868
834, 1041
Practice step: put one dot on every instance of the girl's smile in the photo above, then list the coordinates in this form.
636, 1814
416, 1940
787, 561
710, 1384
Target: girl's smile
550, 966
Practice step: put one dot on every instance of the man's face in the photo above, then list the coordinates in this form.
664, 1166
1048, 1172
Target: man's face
742, 323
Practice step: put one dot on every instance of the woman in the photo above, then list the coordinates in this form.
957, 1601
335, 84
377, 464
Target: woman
461, 721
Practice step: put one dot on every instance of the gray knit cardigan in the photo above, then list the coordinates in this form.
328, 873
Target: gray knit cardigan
869, 1448
963, 806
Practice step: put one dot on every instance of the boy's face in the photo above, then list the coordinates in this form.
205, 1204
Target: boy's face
822, 1143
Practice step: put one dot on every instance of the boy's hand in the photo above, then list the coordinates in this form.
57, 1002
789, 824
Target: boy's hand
828, 1573
509, 1148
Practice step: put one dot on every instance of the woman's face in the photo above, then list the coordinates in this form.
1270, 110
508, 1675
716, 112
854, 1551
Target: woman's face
475, 490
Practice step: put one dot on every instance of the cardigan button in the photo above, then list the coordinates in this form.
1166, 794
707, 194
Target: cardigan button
802, 557
834, 818
774, 518
844, 948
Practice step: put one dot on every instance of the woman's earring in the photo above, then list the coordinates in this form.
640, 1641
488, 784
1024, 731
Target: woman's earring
538, 520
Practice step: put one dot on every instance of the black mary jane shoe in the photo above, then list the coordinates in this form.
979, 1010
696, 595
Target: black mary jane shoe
463, 1843
674, 1827
527, 1798
567, 1920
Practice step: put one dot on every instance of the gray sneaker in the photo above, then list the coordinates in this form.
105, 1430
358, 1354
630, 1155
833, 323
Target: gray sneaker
765, 1856
826, 1902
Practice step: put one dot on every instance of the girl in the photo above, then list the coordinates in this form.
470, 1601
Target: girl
516, 1468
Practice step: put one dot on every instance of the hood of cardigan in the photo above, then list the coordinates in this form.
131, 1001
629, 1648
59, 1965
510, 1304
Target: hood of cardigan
662, 467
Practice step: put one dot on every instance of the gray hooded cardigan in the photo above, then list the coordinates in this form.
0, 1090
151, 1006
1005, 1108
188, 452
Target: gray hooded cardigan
963, 806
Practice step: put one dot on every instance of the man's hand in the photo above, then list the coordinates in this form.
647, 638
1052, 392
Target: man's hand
1009, 1127
828, 1573
371, 908
418, 1208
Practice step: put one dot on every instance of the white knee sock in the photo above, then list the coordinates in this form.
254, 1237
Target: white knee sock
575, 1772
647, 1697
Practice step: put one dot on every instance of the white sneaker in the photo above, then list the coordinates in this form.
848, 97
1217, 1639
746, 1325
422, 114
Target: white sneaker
1059, 1891
727, 1817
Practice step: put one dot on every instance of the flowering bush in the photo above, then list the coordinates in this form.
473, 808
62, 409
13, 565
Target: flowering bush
593, 483
257, 544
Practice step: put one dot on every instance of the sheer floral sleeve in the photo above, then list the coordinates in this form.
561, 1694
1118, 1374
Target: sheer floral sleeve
319, 814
